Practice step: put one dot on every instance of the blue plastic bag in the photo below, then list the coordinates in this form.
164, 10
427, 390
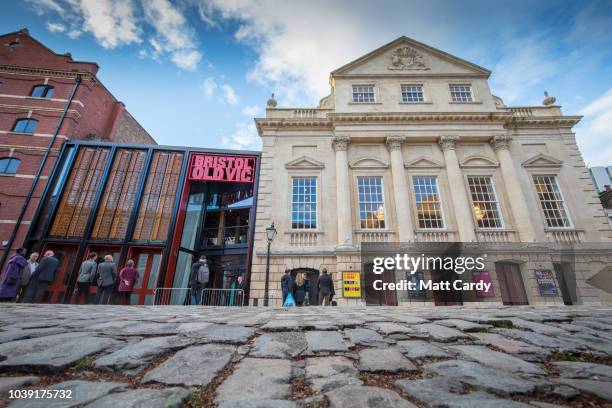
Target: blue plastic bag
289, 301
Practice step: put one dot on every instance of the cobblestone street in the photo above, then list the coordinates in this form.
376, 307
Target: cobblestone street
116, 356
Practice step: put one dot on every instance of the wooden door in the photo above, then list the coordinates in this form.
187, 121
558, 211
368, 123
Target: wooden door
66, 254
147, 261
511, 284
449, 297
379, 297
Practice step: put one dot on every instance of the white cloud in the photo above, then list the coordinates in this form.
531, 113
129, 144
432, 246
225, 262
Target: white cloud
187, 60
595, 133
228, 95
112, 22
55, 27
244, 137
209, 86
251, 111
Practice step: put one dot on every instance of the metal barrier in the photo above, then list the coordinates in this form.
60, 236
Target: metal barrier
206, 297
222, 297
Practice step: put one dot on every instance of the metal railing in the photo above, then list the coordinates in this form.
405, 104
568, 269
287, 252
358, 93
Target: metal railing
222, 297
205, 297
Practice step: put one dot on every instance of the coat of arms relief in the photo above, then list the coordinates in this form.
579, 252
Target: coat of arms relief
406, 58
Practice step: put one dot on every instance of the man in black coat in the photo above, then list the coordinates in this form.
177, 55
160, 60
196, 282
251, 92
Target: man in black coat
43, 276
326, 288
286, 284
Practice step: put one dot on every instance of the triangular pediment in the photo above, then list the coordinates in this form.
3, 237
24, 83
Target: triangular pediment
542, 160
478, 162
368, 162
423, 162
407, 57
304, 162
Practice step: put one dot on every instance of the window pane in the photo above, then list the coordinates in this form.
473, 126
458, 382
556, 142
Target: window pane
304, 203
551, 201
484, 202
371, 203
427, 198
412, 93
461, 93
38, 91
363, 93
25, 125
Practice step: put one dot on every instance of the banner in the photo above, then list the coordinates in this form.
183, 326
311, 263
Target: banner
546, 282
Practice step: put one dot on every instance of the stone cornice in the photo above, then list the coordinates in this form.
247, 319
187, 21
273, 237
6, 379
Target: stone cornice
542, 122
20, 70
419, 117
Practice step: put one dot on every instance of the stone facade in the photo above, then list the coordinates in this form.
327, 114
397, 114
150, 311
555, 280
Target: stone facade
440, 135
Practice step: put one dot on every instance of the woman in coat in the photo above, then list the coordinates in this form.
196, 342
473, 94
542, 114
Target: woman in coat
128, 276
300, 289
12, 275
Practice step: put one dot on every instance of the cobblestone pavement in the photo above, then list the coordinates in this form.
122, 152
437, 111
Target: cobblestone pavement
121, 356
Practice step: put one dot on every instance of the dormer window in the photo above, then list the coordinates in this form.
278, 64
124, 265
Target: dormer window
42, 91
412, 93
461, 93
363, 94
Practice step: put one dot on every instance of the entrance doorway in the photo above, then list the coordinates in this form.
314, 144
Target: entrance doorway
102, 251
66, 254
379, 297
511, 283
312, 276
567, 282
449, 297
147, 262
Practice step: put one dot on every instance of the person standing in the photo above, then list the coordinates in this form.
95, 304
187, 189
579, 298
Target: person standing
198, 279
43, 276
87, 274
286, 284
107, 275
26, 273
326, 288
238, 292
127, 278
12, 275
300, 289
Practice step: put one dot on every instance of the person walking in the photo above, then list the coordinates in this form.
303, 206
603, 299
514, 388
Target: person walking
26, 273
286, 284
300, 289
107, 275
43, 276
12, 276
87, 274
198, 279
326, 288
127, 278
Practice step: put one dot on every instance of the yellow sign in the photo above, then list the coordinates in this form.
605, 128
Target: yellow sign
351, 285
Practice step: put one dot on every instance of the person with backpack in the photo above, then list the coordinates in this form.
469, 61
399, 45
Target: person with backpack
198, 279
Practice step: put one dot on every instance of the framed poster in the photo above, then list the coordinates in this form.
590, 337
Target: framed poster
546, 282
483, 276
351, 284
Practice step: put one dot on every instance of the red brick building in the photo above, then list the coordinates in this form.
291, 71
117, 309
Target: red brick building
35, 88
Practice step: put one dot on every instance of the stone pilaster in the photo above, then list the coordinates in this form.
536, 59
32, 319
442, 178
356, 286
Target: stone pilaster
463, 214
405, 226
343, 191
524, 224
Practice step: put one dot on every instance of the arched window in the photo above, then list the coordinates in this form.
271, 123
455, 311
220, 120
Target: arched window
9, 165
42, 91
25, 125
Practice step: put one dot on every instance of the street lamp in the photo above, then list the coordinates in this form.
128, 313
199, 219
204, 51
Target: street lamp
270, 234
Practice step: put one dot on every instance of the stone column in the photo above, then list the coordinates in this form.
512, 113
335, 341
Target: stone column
501, 145
463, 214
405, 227
343, 191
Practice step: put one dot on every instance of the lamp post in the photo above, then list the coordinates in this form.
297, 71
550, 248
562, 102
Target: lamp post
270, 234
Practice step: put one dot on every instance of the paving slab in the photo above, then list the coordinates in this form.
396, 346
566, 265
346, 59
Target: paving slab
440, 333
388, 360
144, 398
574, 369
325, 341
279, 345
366, 397
11, 383
195, 365
510, 345
488, 357
365, 337
219, 333
602, 389
419, 349
257, 378
261, 403
82, 392
326, 373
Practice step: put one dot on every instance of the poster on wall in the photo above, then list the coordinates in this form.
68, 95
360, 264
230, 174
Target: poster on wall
485, 277
351, 284
546, 282
415, 279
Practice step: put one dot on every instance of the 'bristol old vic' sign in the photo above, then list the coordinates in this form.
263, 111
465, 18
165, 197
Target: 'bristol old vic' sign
210, 167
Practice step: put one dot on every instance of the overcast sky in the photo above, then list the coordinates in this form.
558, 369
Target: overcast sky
195, 72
